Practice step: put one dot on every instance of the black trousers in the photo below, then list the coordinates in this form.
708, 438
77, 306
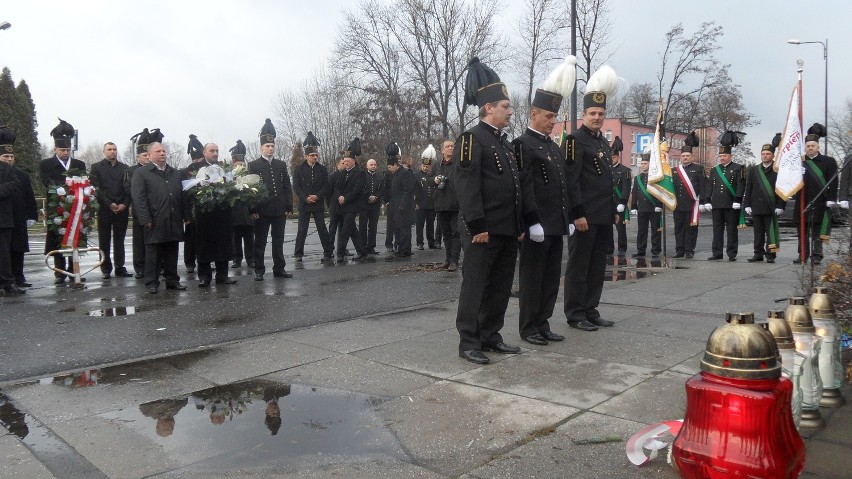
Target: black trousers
6, 276
762, 226
488, 272
114, 226
205, 271
538, 276
621, 234
161, 256
425, 218
262, 225
725, 219
138, 247
389, 228
449, 223
243, 239
439, 235
686, 236
584, 272
302, 232
646, 221
17, 265
53, 241
813, 231
349, 230
190, 235
402, 232
368, 225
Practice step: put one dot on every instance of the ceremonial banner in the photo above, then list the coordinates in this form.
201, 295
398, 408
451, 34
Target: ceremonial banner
660, 183
788, 156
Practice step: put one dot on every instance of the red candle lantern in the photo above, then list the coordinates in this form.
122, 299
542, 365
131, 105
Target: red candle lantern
738, 420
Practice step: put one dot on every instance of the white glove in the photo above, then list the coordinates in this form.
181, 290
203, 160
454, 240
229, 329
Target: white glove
778, 211
804, 171
571, 229
830, 204
620, 208
708, 207
30, 223
657, 209
634, 212
748, 209
844, 204
701, 208
537, 233
736, 206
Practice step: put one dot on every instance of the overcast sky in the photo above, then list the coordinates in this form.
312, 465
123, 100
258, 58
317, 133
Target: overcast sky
213, 68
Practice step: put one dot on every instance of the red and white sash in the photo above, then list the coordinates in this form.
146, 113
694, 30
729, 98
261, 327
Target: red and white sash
687, 183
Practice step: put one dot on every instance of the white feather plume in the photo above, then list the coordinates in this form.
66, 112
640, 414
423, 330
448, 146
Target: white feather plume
604, 80
561, 80
429, 153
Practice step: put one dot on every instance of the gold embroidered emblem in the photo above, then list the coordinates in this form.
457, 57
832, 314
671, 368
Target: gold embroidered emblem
505, 91
598, 97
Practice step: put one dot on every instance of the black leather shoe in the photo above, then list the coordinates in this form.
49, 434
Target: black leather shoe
770, 260
190, 269
282, 275
551, 336
13, 289
501, 348
475, 356
139, 275
346, 252
600, 322
226, 281
122, 274
452, 267
106, 276
373, 251
688, 255
258, 277
714, 258
298, 258
152, 290
444, 265
235, 264
59, 280
176, 286
24, 284
755, 259
327, 259
732, 258
816, 262
420, 247
204, 283
583, 325
677, 256
797, 261
536, 339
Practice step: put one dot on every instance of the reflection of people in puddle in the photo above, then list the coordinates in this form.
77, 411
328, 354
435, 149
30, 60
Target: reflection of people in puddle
13, 419
271, 395
164, 411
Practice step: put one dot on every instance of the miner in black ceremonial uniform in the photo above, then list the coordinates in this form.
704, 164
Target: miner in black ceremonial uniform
492, 210
542, 167
310, 183
387, 175
689, 182
108, 176
195, 150
371, 208
424, 199
272, 212
764, 206
401, 208
242, 223
53, 172
447, 207
647, 211
347, 193
622, 178
17, 209
723, 197
214, 236
589, 170
820, 192
141, 140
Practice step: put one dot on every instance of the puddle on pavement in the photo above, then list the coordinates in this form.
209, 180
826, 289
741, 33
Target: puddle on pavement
117, 311
259, 422
626, 275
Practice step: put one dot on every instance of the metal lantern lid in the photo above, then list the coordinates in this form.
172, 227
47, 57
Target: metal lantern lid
780, 330
820, 304
798, 316
742, 350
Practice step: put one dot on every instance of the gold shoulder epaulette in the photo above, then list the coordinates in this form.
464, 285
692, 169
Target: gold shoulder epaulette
568, 146
466, 148
518, 149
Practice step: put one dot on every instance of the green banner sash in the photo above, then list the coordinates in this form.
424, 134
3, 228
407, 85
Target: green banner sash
626, 210
741, 223
824, 233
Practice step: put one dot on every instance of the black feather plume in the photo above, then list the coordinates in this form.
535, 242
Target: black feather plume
617, 145
311, 140
238, 149
62, 130
156, 136
691, 140
478, 76
355, 147
731, 138
393, 150
818, 130
267, 128
194, 147
776, 140
7, 135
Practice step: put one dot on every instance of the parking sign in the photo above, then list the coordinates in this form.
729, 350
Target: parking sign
643, 140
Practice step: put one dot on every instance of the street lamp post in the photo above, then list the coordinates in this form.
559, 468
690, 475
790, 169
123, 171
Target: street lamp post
824, 57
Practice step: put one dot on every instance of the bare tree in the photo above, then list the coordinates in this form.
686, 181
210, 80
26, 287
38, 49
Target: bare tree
638, 104
542, 28
594, 32
840, 133
722, 107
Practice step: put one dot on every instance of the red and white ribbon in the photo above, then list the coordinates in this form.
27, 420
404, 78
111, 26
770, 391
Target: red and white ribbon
649, 438
687, 183
75, 218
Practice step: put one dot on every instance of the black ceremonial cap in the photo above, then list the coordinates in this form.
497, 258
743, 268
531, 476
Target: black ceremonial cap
156, 136
195, 148
815, 132
62, 134
393, 151
353, 150
690, 143
770, 147
7, 140
267, 132
483, 85
729, 140
547, 100
142, 139
311, 144
617, 145
238, 151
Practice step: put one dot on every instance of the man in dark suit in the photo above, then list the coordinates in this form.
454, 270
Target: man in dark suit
764, 206
195, 150
447, 207
14, 212
723, 197
53, 172
142, 140
272, 212
214, 241
348, 193
241, 222
372, 206
622, 179
310, 183
156, 192
401, 210
108, 176
689, 181
386, 186
424, 199
820, 191
331, 201
647, 211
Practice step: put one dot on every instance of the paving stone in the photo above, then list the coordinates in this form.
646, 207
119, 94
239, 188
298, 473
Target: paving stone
349, 336
627, 347
18, 461
660, 398
686, 325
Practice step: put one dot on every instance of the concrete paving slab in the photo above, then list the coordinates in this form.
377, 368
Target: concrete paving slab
557, 378
557, 456
250, 358
451, 428
354, 374
430, 319
827, 460
627, 347
691, 366
18, 461
349, 336
629, 295
732, 298
660, 398
435, 354
685, 325
352, 469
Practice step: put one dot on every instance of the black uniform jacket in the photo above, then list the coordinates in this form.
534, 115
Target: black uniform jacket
541, 165
589, 170
445, 197
280, 195
51, 171
9, 188
349, 185
424, 191
717, 193
639, 201
813, 186
374, 184
756, 197
622, 178
403, 185
308, 181
24, 205
695, 173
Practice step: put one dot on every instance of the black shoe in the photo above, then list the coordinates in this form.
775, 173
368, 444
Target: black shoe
123, 274
452, 267
346, 252
551, 336
13, 289
536, 339
106, 276
678, 256
797, 261
392, 258
732, 258
501, 348
152, 290
298, 258
373, 251
250, 264
359, 257
638, 255
816, 261
176, 286
655, 256
258, 276
755, 259
23, 284
327, 259
444, 265
770, 260
282, 275
59, 280
226, 281
475, 356
688, 255
583, 325
434, 246
236, 264
139, 275
190, 269
341, 259
204, 283
714, 258
388, 248
420, 247
604, 323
